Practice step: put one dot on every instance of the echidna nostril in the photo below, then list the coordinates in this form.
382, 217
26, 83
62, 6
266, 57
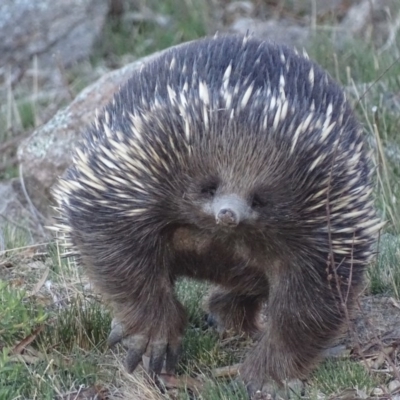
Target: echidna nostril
227, 217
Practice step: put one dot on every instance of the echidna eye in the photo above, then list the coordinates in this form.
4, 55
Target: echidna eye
209, 190
257, 202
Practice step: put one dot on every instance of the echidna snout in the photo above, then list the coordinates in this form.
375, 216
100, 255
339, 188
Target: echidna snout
230, 210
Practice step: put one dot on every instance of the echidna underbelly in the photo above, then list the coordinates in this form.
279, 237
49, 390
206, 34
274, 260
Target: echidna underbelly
230, 262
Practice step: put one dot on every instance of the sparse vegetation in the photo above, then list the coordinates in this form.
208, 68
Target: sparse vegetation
334, 376
53, 329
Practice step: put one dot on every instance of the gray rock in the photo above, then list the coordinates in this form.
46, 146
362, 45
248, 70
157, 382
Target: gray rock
56, 31
45, 155
281, 31
372, 20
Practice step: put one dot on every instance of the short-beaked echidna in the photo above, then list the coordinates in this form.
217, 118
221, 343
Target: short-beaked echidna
232, 160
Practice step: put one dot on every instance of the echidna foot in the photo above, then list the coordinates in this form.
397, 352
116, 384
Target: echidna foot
163, 351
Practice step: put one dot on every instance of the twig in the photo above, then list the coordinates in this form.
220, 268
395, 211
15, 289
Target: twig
374, 82
229, 371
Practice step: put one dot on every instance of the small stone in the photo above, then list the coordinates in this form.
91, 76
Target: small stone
377, 392
393, 385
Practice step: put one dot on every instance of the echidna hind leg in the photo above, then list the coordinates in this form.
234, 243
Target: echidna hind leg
229, 310
299, 327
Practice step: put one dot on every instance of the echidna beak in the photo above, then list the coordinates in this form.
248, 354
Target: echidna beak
229, 210
227, 217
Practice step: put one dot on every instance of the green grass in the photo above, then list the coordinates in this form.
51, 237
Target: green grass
82, 324
384, 275
185, 22
334, 376
215, 390
18, 116
27, 114
63, 355
18, 317
13, 238
191, 294
47, 378
352, 60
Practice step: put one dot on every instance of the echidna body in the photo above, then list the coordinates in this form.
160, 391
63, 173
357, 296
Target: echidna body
235, 161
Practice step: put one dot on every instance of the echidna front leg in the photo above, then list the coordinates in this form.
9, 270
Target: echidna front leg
161, 338
304, 315
133, 276
155, 328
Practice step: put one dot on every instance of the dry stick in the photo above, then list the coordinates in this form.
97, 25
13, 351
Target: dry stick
374, 82
351, 269
31, 246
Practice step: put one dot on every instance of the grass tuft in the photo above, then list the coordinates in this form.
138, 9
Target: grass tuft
334, 376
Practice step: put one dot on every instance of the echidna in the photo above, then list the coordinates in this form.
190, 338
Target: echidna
239, 162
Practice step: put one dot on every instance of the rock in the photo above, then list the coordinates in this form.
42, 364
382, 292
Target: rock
240, 7
282, 31
378, 392
372, 20
238, 10
394, 385
56, 31
147, 15
45, 155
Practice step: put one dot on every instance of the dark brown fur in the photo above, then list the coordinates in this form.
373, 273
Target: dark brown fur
234, 161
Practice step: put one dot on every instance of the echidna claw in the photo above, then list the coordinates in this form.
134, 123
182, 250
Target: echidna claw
162, 353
